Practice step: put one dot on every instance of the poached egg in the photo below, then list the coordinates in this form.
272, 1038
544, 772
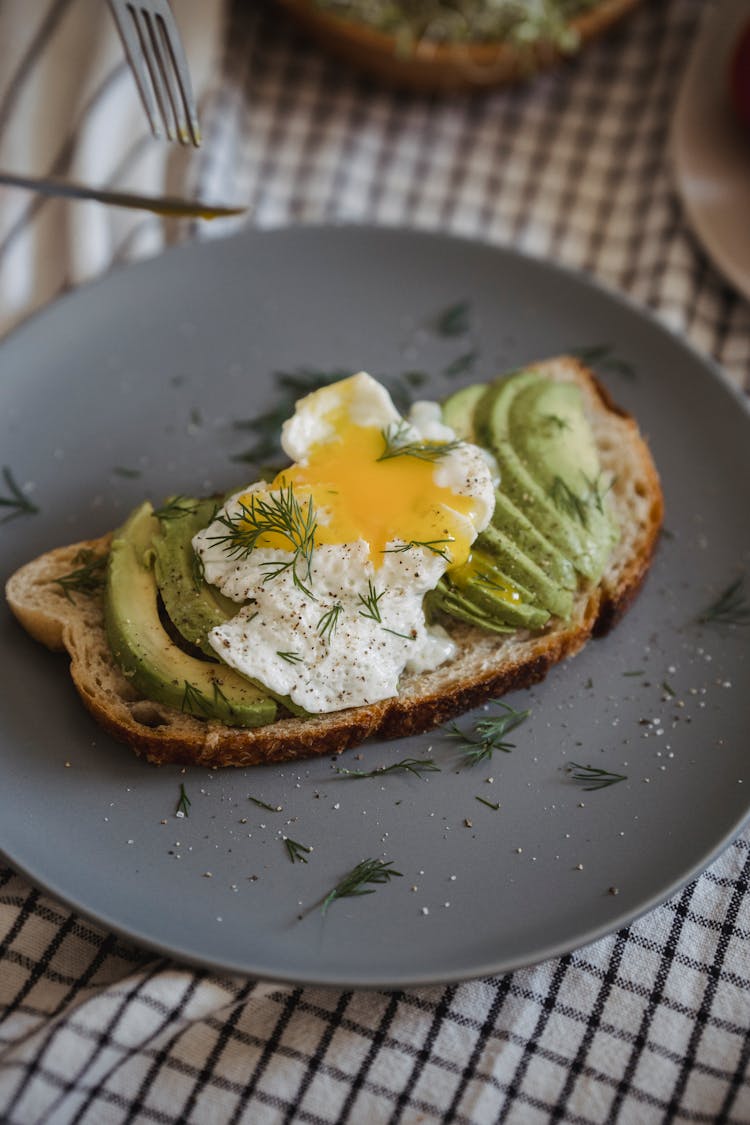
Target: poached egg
332, 559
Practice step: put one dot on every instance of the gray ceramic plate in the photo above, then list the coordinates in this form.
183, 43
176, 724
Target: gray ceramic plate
146, 372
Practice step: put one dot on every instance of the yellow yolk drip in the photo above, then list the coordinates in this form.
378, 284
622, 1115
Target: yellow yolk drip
477, 568
358, 496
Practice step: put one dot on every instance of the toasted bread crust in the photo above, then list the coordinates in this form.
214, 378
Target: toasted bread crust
487, 665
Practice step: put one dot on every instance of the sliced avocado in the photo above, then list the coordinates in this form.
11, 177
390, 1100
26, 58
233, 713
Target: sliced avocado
554, 439
557, 566
146, 654
482, 588
459, 413
505, 556
192, 605
458, 410
555, 521
551, 432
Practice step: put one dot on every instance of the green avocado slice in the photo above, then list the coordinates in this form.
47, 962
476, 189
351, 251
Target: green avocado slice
505, 556
156, 666
192, 605
496, 430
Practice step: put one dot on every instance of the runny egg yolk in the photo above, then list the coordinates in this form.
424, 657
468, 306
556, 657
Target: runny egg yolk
357, 495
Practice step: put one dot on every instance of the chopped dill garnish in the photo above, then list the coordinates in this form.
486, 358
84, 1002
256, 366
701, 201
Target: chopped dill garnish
395, 446
356, 881
568, 501
597, 490
88, 577
290, 657
433, 545
603, 358
453, 321
404, 636
490, 734
183, 805
274, 513
730, 608
263, 805
668, 689
638, 672
17, 501
194, 701
489, 804
417, 766
124, 471
461, 364
220, 698
176, 508
591, 778
554, 421
198, 570
328, 621
370, 602
297, 853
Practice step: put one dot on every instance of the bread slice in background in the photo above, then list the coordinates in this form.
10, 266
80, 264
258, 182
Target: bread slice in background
486, 665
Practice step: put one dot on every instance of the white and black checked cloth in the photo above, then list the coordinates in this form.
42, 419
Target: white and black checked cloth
650, 1024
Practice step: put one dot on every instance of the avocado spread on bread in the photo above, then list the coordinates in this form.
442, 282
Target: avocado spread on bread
551, 533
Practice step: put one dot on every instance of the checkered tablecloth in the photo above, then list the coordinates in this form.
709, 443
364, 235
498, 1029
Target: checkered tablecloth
649, 1024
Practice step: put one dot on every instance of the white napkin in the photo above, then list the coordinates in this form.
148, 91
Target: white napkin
69, 107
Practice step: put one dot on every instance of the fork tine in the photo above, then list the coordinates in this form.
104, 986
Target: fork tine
155, 66
131, 41
157, 59
177, 75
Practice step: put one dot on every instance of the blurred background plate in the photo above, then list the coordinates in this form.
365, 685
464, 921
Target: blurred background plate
433, 67
710, 148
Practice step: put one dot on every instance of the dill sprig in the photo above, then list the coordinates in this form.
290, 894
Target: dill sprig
88, 577
194, 702
598, 490
490, 804
435, 546
273, 513
404, 636
17, 501
264, 805
461, 364
490, 734
183, 804
220, 699
198, 571
394, 445
453, 321
417, 766
591, 778
554, 421
291, 657
602, 357
356, 882
370, 601
328, 621
297, 852
568, 501
176, 508
730, 608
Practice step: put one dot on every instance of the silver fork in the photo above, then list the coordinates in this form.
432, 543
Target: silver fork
157, 59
